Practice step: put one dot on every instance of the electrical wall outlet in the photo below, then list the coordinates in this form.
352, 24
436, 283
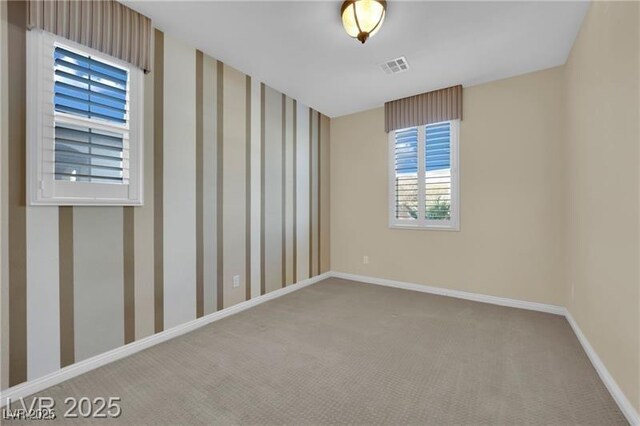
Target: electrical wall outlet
236, 281
365, 260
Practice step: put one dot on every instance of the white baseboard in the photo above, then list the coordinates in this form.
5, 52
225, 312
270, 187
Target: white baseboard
494, 300
33, 386
623, 402
42, 383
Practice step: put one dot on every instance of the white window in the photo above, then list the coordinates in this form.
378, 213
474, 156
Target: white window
423, 177
84, 125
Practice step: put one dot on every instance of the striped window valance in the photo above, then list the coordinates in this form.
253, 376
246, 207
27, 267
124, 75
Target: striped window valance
104, 25
426, 108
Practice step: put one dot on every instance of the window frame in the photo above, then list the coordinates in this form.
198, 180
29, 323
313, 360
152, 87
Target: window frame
421, 223
42, 186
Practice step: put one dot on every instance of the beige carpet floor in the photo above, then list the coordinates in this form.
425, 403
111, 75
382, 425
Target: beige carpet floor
341, 352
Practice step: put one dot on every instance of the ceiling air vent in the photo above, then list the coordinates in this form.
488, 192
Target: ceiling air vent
395, 66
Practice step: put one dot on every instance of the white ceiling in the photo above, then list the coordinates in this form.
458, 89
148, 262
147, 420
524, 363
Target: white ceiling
300, 48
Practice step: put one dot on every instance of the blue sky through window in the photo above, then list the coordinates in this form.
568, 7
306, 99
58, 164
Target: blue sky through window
437, 147
88, 87
407, 151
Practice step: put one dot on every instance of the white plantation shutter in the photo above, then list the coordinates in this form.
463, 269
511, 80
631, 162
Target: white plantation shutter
84, 125
437, 179
95, 92
406, 173
424, 176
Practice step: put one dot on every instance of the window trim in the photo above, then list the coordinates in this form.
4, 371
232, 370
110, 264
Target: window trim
42, 187
422, 223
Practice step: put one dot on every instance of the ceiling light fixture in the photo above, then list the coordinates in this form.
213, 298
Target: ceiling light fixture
363, 18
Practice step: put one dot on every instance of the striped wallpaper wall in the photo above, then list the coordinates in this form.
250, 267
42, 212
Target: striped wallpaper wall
4, 200
236, 183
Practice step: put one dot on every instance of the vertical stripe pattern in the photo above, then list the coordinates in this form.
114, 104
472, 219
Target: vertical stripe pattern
43, 291
209, 184
311, 215
158, 189
17, 195
233, 192
323, 195
233, 174
302, 191
4, 198
318, 162
67, 333
256, 187
289, 190
144, 225
283, 237
247, 226
199, 188
219, 186
98, 286
105, 25
295, 191
128, 250
431, 107
263, 288
179, 179
274, 191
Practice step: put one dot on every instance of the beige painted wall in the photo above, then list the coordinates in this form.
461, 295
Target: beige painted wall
511, 173
550, 190
602, 104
